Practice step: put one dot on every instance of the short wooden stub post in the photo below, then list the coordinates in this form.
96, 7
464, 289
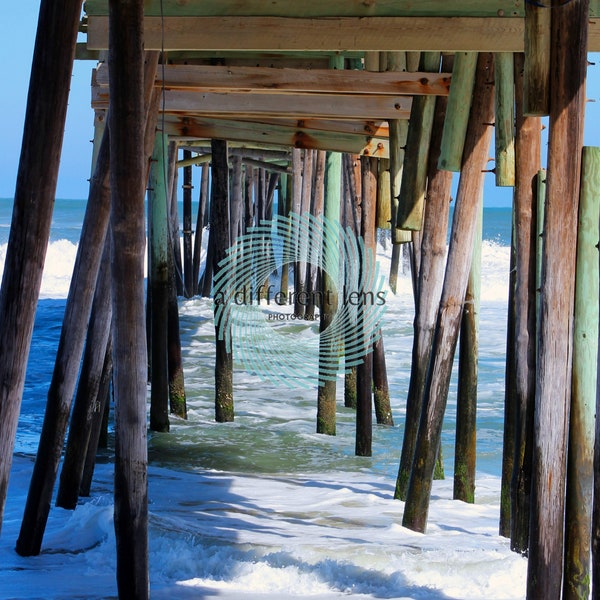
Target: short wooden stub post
457, 113
536, 84
505, 119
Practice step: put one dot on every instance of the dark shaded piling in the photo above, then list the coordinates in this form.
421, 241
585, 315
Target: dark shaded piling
381, 389
224, 411
455, 283
188, 261
70, 349
528, 158
127, 178
35, 190
158, 285
431, 275
580, 466
465, 446
177, 398
99, 421
364, 371
87, 405
510, 398
568, 67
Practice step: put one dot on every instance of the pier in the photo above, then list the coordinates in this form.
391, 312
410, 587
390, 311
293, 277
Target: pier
306, 128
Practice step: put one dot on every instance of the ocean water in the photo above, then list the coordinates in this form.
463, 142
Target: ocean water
264, 507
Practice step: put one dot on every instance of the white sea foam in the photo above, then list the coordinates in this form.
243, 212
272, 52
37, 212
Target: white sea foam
264, 508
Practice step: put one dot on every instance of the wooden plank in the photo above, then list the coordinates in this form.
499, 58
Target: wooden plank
275, 135
260, 79
454, 34
324, 106
318, 8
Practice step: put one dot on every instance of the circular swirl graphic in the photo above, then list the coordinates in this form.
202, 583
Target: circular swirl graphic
275, 345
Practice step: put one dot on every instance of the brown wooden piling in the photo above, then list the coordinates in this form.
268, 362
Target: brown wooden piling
528, 158
364, 371
568, 64
431, 274
70, 349
224, 411
128, 178
455, 282
87, 403
45, 116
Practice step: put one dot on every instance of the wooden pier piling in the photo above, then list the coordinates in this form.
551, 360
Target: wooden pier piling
567, 98
128, 173
460, 250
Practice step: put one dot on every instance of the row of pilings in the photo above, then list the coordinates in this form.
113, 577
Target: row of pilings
549, 508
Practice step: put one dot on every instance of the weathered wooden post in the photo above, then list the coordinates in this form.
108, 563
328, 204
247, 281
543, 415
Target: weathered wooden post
128, 178
220, 229
398, 131
510, 397
465, 447
536, 84
87, 403
364, 371
582, 417
32, 212
568, 66
528, 158
475, 157
414, 173
505, 119
431, 275
459, 103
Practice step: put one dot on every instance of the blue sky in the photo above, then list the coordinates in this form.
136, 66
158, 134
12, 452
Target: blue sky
18, 23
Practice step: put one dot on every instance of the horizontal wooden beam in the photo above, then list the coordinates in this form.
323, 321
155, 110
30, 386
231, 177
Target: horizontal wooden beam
189, 128
446, 34
259, 80
240, 105
330, 8
315, 8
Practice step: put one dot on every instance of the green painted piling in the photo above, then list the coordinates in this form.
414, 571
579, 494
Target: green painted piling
159, 286
505, 119
411, 201
457, 112
580, 467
